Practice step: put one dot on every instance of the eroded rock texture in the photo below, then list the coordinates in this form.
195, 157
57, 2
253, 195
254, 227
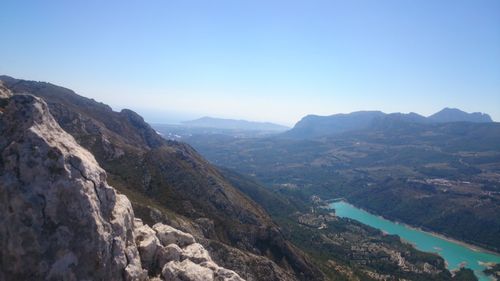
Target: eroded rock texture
60, 220
169, 182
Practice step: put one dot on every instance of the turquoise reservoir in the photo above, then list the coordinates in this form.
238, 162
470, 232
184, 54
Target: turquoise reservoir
454, 252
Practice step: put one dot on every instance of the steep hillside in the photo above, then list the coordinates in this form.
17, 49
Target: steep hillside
60, 220
344, 249
174, 178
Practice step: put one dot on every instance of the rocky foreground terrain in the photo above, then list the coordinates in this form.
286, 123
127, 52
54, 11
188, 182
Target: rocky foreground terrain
62, 221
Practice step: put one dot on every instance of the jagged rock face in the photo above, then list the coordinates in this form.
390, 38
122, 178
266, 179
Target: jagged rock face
60, 220
180, 259
177, 178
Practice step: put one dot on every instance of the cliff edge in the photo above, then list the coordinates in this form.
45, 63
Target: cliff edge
60, 220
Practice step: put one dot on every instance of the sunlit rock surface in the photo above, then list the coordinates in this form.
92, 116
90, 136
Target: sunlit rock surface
60, 220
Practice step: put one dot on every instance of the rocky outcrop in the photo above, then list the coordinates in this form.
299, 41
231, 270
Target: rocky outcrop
5, 94
60, 220
175, 255
250, 266
179, 182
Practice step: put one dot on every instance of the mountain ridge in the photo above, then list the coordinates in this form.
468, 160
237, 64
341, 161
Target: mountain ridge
174, 176
62, 221
456, 115
312, 126
234, 124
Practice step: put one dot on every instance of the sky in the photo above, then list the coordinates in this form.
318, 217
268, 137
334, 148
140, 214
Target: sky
262, 60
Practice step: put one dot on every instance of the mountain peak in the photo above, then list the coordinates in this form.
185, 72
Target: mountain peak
317, 126
448, 114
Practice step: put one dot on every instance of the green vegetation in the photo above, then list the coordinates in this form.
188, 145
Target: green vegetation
169, 181
440, 177
493, 271
347, 248
465, 274
343, 249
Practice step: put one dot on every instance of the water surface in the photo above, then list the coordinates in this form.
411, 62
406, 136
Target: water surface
454, 252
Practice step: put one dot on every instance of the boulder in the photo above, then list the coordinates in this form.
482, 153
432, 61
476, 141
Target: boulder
196, 253
60, 220
148, 245
169, 235
168, 253
186, 271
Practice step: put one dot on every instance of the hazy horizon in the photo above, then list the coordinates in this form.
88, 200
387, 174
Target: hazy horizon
176, 119
261, 61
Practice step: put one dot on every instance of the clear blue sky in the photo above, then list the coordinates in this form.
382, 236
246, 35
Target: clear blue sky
260, 60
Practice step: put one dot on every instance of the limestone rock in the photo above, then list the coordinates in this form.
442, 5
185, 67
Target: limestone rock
168, 253
60, 220
148, 245
186, 271
170, 172
196, 253
169, 235
4, 92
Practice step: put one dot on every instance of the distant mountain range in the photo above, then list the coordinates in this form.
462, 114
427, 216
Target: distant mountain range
313, 126
428, 172
232, 124
457, 115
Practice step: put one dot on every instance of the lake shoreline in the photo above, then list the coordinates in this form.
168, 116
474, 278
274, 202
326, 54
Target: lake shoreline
456, 254
472, 247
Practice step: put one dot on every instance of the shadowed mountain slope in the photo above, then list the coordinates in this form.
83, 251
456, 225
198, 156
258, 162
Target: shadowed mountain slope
175, 178
60, 220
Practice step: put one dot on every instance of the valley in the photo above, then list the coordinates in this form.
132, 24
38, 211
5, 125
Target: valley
444, 177
437, 176
262, 232
456, 254
250, 140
